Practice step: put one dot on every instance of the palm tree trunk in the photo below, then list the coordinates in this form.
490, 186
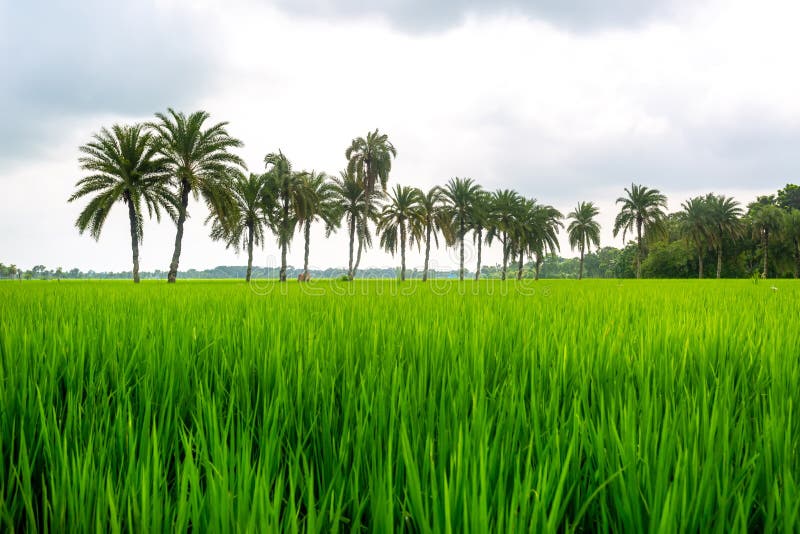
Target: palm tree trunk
638, 249
505, 257
521, 263
402, 252
700, 264
480, 245
766, 249
427, 252
796, 258
580, 272
134, 237
282, 275
308, 246
176, 254
719, 262
352, 228
249, 252
538, 267
461, 254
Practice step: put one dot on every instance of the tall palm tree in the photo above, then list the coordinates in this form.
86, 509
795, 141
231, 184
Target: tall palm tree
460, 195
725, 222
479, 221
201, 164
369, 159
695, 223
349, 195
540, 225
433, 221
643, 211
401, 214
125, 167
321, 205
246, 226
767, 221
791, 229
286, 200
505, 207
583, 230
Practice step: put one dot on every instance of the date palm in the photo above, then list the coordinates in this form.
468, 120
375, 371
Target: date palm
695, 223
349, 195
320, 205
540, 224
401, 215
583, 230
434, 220
124, 166
285, 201
791, 229
369, 160
725, 222
642, 211
245, 227
505, 207
460, 194
201, 164
479, 221
767, 220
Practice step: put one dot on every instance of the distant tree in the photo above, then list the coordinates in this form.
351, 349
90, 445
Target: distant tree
479, 221
401, 214
505, 208
245, 223
791, 229
369, 160
349, 195
320, 205
201, 164
433, 221
460, 193
695, 223
123, 166
789, 197
540, 227
643, 211
286, 199
724, 223
583, 230
767, 220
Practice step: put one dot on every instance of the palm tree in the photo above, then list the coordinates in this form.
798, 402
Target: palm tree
460, 194
201, 164
401, 214
479, 221
125, 167
767, 220
505, 208
540, 225
321, 205
695, 222
285, 200
434, 220
791, 229
246, 227
642, 210
725, 222
369, 159
349, 195
583, 230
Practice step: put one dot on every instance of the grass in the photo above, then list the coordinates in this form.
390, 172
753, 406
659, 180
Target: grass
606, 406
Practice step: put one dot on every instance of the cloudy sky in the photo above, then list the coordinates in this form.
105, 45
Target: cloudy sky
563, 100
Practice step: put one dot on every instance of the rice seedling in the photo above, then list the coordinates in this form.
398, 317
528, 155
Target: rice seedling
372, 406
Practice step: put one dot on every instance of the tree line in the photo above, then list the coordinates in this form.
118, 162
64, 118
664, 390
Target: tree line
155, 168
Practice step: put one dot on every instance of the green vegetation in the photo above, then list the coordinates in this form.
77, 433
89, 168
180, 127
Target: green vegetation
446, 406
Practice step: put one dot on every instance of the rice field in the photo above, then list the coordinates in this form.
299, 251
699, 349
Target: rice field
632, 406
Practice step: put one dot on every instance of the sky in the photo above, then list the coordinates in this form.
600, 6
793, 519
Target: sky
564, 101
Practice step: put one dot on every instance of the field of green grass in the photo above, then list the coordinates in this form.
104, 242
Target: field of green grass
605, 406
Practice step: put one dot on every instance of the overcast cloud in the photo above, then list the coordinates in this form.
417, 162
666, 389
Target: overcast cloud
563, 101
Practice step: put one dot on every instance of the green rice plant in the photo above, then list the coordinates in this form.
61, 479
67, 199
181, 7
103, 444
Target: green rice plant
443, 406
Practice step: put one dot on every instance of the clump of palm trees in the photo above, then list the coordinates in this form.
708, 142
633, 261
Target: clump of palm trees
158, 166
